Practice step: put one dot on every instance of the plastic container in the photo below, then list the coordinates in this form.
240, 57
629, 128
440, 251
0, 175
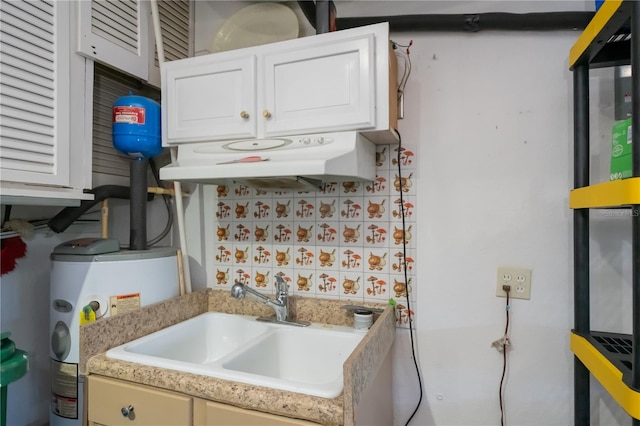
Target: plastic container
136, 126
362, 319
14, 363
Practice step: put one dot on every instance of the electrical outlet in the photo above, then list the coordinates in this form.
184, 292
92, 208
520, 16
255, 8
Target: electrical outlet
519, 279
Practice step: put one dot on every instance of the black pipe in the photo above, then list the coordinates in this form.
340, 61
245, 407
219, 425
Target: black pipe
547, 21
635, 216
581, 179
138, 209
581, 239
322, 16
543, 21
68, 215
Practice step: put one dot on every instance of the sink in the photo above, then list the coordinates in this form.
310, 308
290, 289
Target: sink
306, 360
200, 340
298, 358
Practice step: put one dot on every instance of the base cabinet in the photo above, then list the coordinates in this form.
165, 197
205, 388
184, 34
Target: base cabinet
211, 413
115, 402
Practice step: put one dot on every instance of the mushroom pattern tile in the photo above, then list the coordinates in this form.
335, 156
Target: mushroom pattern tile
344, 242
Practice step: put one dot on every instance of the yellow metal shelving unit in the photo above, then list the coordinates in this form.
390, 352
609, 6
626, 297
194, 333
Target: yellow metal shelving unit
612, 38
617, 193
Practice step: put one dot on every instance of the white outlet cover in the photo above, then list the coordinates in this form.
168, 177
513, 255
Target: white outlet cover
518, 278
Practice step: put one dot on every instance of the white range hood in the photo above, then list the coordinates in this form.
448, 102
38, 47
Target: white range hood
278, 164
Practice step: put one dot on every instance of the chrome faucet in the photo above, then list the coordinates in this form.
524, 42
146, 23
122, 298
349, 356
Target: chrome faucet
280, 304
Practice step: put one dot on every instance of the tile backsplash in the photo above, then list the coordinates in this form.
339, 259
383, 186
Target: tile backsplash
344, 242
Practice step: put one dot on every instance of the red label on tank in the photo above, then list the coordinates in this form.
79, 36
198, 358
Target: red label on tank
128, 115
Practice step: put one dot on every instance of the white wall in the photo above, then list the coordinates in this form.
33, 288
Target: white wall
490, 116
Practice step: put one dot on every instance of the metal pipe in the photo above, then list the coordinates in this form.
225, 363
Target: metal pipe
469, 22
581, 179
635, 217
581, 238
322, 16
547, 21
138, 205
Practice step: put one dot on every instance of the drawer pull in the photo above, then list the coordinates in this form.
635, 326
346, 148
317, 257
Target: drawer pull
266, 113
127, 411
244, 115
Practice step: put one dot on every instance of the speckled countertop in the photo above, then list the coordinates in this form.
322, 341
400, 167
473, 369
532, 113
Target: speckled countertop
96, 338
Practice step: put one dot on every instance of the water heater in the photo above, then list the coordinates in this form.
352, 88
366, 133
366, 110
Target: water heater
93, 274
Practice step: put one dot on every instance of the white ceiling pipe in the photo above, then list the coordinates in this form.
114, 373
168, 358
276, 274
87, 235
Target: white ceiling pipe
176, 185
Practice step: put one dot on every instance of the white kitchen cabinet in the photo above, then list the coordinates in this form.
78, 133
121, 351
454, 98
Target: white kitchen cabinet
327, 87
338, 81
213, 97
42, 160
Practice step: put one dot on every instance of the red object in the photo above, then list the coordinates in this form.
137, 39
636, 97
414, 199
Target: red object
11, 249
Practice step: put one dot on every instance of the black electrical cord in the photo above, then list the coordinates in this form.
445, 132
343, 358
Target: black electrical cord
406, 279
504, 359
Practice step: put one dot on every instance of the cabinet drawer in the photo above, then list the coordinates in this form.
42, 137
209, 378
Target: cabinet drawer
151, 407
215, 414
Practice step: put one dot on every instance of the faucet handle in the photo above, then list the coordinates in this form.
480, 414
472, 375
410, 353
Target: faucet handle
238, 290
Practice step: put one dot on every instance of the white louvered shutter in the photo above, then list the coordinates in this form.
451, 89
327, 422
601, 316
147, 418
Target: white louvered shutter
108, 86
116, 33
34, 95
176, 24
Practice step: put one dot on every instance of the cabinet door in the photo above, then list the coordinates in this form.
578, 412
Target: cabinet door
147, 406
210, 99
208, 413
325, 87
34, 100
43, 156
116, 33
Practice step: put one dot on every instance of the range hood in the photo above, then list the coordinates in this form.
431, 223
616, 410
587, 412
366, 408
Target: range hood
291, 163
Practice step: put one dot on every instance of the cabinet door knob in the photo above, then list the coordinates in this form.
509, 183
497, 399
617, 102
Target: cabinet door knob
266, 113
126, 411
244, 114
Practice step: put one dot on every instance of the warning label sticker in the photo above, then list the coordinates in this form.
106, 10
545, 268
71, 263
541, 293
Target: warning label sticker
124, 303
128, 115
64, 389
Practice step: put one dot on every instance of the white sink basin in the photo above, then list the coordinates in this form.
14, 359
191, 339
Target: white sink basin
310, 357
200, 340
237, 347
